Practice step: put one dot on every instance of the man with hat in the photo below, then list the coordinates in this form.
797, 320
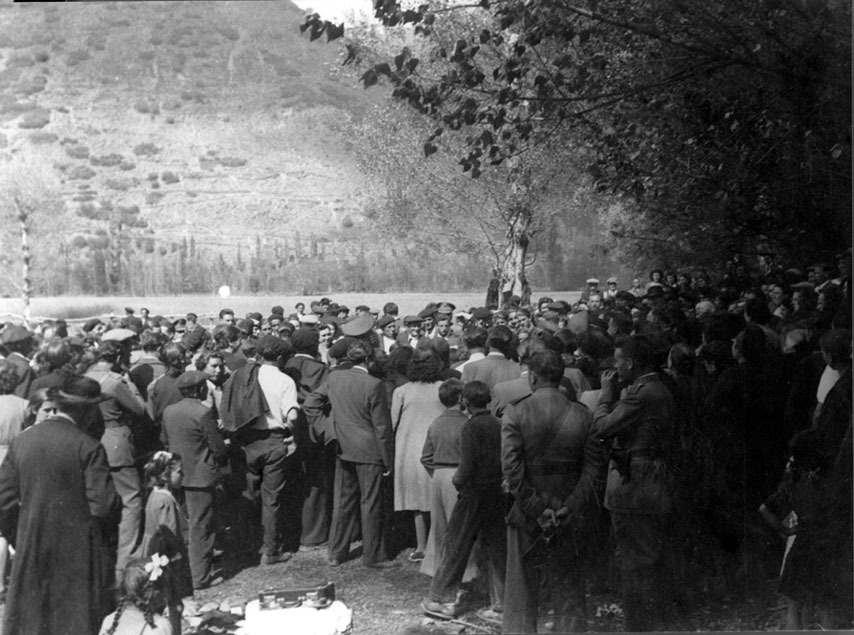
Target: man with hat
428, 315
481, 317
387, 333
190, 430
592, 287
55, 495
611, 292
413, 335
122, 410
18, 342
360, 412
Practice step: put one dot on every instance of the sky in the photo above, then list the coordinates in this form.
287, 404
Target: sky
337, 10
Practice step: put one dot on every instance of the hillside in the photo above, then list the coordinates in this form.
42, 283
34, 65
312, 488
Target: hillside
211, 117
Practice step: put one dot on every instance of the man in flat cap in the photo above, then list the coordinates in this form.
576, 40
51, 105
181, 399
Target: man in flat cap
190, 429
592, 286
18, 342
611, 291
481, 317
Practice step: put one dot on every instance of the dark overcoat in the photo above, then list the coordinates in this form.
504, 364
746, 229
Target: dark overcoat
55, 495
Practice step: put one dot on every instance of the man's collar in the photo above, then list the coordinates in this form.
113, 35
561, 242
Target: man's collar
496, 354
359, 367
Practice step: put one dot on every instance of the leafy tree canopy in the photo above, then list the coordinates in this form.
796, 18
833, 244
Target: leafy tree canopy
725, 124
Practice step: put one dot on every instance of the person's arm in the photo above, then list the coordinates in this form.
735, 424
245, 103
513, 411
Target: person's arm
213, 437
100, 491
316, 403
10, 498
467, 469
428, 451
587, 493
396, 407
382, 425
128, 399
290, 401
609, 418
513, 465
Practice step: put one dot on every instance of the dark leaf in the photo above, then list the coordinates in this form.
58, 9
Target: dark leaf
383, 69
429, 149
333, 32
484, 36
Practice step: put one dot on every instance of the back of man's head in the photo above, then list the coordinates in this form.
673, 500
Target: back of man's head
173, 355
476, 395
475, 337
501, 339
546, 366
639, 349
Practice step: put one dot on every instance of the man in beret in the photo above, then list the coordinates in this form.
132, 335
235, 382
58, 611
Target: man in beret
190, 429
387, 333
19, 342
481, 317
413, 335
358, 406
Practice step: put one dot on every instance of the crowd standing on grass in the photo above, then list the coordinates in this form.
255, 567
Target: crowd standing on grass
642, 437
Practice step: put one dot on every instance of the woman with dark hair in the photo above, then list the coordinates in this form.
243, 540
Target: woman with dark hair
13, 412
395, 369
414, 406
58, 359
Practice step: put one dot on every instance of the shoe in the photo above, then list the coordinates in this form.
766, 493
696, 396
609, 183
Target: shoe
440, 610
276, 558
214, 581
416, 556
388, 564
490, 615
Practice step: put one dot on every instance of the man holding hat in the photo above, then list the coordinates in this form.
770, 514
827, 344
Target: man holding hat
190, 430
18, 341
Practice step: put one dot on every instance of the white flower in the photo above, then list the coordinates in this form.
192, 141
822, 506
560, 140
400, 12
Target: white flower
155, 567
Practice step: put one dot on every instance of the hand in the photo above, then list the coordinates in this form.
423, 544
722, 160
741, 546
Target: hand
609, 377
293, 413
387, 472
547, 519
562, 516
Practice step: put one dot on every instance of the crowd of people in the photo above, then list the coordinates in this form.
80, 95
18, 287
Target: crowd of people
632, 439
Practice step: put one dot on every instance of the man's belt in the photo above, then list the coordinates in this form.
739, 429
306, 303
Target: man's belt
623, 458
562, 468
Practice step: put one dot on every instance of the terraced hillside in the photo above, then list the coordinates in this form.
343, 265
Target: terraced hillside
215, 117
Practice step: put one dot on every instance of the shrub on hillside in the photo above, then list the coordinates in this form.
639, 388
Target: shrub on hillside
85, 197
40, 138
20, 60
107, 160
153, 176
4, 140
155, 40
68, 141
347, 222
230, 33
146, 56
126, 165
121, 184
81, 172
77, 151
192, 95
38, 118
169, 177
17, 107
145, 107
152, 198
145, 149
41, 56
32, 85
232, 162
75, 57
171, 104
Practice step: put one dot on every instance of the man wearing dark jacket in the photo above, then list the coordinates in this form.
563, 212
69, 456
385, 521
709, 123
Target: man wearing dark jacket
190, 430
357, 403
638, 490
553, 466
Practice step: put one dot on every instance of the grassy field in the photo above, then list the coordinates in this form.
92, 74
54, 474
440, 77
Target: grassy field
77, 308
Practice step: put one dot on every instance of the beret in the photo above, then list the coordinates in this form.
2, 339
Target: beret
191, 379
481, 313
91, 324
445, 307
384, 321
271, 345
129, 310
363, 307
429, 311
558, 305
255, 316
277, 310
304, 339
193, 339
15, 333
544, 300
339, 349
514, 299
133, 322
118, 335
412, 319
246, 325
275, 316
358, 325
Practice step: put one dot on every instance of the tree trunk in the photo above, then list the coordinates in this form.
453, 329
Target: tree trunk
513, 277
26, 289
